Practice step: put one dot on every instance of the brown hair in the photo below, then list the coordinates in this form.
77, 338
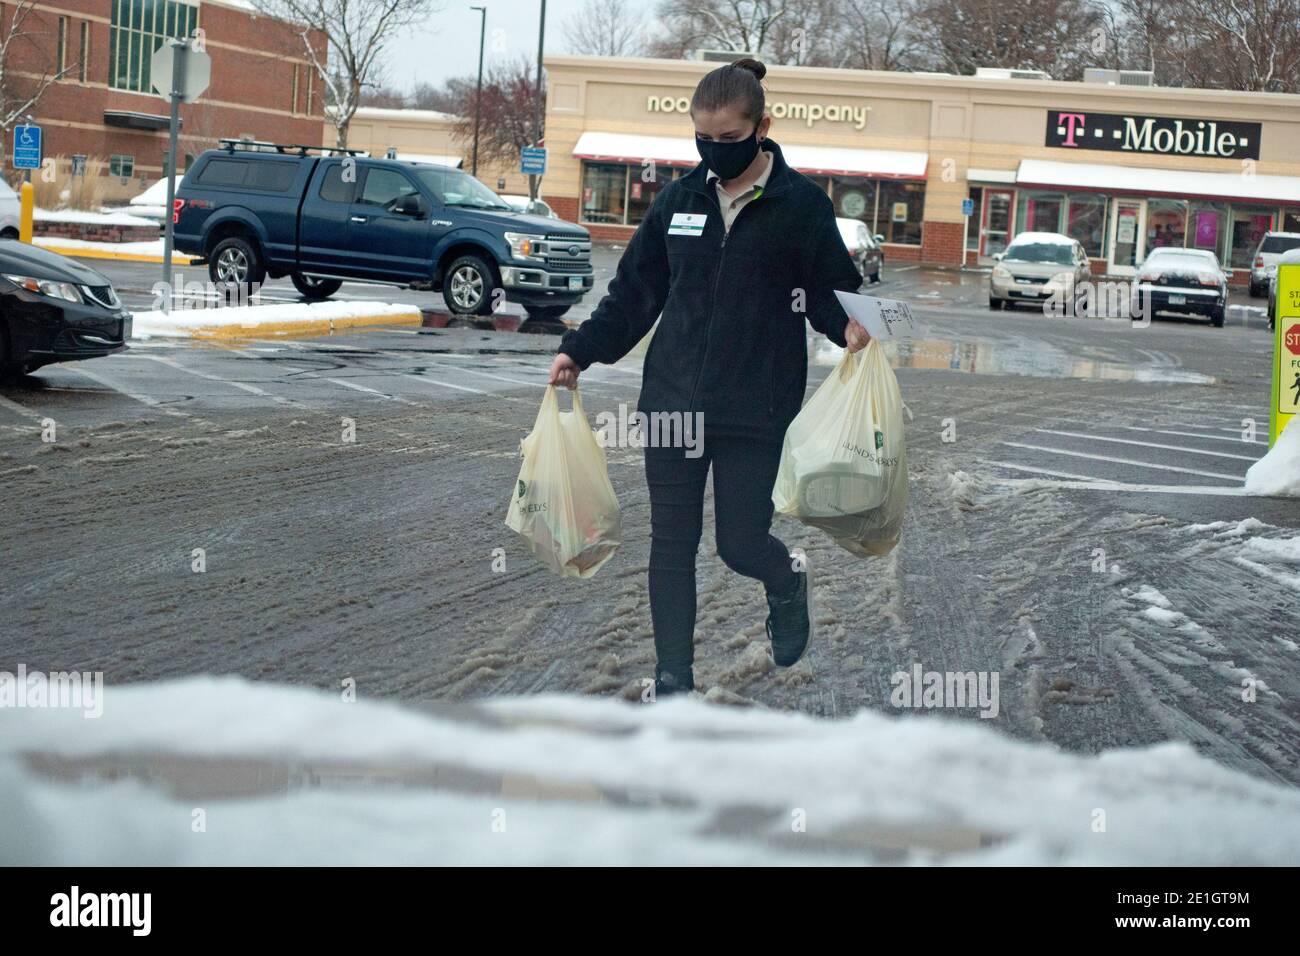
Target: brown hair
736, 84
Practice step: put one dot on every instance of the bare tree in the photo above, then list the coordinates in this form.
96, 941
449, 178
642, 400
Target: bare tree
20, 89
506, 123
606, 28
356, 33
1055, 36
740, 25
877, 35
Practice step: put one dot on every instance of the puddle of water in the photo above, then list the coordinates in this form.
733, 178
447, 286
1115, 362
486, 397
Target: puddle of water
1002, 358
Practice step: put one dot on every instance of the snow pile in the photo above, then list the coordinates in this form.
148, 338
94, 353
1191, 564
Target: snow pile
1277, 474
291, 775
91, 218
267, 318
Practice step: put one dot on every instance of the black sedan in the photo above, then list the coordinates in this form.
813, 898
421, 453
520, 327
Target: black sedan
54, 309
1173, 279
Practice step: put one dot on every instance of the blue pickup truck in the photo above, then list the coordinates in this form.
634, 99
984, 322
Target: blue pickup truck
324, 217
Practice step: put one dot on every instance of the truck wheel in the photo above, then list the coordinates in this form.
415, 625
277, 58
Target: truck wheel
314, 289
467, 286
545, 313
235, 262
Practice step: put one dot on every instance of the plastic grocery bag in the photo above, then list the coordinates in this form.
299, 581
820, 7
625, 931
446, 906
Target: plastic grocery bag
563, 505
844, 464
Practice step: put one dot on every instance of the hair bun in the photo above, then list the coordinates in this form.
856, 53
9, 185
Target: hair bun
750, 65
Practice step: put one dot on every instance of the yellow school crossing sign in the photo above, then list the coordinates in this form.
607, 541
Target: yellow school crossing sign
1286, 349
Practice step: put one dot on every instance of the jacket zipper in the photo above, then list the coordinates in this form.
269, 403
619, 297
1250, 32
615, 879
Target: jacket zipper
717, 274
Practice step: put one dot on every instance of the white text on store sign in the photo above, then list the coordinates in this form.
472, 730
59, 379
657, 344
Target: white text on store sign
808, 112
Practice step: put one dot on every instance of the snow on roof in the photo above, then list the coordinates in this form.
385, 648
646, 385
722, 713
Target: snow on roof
1051, 238
155, 195
440, 159
420, 116
819, 160
1157, 182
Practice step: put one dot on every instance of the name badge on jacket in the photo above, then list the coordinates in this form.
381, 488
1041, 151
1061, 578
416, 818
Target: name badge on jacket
687, 224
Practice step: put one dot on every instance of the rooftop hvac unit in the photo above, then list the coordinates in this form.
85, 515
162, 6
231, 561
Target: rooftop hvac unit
1119, 77
1000, 73
722, 56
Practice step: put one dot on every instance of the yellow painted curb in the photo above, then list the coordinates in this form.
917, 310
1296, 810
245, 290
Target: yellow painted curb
178, 259
304, 327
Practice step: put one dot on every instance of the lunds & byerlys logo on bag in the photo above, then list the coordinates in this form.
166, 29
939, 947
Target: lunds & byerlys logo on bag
1161, 135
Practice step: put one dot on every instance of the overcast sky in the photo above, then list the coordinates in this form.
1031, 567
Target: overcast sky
448, 45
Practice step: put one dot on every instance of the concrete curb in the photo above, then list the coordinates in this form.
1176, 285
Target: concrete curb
77, 252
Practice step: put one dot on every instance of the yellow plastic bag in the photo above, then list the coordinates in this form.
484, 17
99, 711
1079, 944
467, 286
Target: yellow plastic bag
844, 464
563, 505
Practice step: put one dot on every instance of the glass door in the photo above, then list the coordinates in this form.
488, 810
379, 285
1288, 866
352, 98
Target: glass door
1128, 236
995, 224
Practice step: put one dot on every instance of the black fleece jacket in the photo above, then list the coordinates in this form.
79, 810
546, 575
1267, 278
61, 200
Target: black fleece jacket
731, 341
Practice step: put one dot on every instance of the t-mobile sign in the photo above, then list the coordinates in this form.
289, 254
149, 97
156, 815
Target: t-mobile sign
1115, 132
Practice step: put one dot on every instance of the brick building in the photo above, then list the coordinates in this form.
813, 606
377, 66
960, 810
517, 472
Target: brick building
263, 85
1123, 169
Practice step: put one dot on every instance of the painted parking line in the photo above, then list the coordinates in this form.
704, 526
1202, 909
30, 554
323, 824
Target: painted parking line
1166, 431
242, 386
143, 399
1144, 444
433, 381
1042, 471
1124, 461
1197, 490
20, 409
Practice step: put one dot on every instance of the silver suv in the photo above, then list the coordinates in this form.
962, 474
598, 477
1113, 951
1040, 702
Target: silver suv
1264, 266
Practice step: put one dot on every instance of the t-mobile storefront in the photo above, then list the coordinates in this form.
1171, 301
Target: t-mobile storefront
1121, 169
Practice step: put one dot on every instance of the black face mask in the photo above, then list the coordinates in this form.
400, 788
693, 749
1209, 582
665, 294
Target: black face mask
728, 160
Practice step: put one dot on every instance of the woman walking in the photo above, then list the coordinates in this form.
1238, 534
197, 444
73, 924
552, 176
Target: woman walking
736, 255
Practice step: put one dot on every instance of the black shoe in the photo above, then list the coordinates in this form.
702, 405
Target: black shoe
673, 680
789, 622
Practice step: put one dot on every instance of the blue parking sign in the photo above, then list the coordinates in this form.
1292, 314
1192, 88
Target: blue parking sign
27, 147
532, 160
967, 207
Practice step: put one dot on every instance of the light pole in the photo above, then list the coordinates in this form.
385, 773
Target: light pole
537, 104
478, 95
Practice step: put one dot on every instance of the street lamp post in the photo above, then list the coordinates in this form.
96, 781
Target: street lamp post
478, 95
537, 103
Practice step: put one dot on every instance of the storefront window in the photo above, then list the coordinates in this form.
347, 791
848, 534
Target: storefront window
901, 206
1086, 223
1206, 224
1291, 220
1039, 212
855, 198
1166, 223
1249, 223
644, 183
604, 192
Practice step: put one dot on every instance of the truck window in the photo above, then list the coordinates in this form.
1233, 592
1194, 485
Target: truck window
332, 186
383, 187
267, 175
224, 172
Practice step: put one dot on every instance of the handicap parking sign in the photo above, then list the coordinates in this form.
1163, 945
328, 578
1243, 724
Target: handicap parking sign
27, 147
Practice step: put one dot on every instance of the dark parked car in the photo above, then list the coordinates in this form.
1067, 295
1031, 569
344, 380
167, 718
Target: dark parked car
1189, 281
323, 217
54, 309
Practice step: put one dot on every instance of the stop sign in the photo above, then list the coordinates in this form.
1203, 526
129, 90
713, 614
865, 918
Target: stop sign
1292, 340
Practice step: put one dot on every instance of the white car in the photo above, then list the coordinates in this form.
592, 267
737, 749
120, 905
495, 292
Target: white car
9, 211
1038, 266
863, 247
152, 203
523, 204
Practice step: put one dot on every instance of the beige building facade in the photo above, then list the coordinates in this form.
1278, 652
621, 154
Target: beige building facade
948, 169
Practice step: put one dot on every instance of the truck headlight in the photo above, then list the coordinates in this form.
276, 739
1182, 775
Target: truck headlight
50, 287
525, 245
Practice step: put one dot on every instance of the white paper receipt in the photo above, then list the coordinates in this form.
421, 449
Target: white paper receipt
885, 319
687, 224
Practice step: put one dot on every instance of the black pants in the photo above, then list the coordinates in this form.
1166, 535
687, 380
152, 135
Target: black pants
744, 471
